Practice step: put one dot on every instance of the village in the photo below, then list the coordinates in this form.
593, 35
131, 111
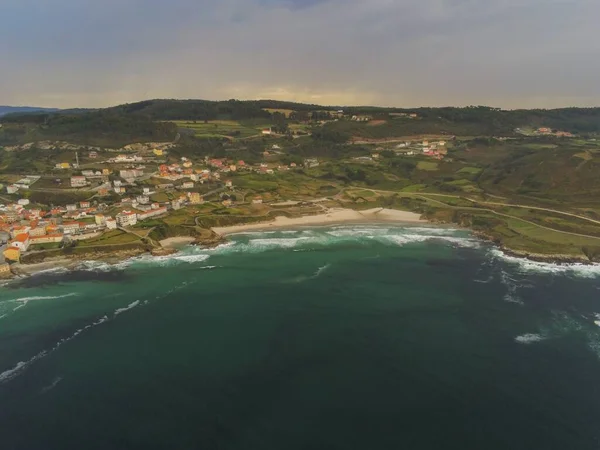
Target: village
125, 192
136, 186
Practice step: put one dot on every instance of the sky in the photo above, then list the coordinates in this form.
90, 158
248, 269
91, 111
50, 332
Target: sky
404, 53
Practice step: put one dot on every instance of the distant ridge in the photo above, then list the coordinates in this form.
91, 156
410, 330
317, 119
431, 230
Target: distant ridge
24, 109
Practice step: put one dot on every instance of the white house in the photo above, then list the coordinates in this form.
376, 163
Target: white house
78, 182
126, 218
111, 224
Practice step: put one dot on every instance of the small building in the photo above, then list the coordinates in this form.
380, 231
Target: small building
21, 241
111, 224
143, 199
196, 198
23, 201
227, 203
37, 231
126, 219
78, 181
84, 205
105, 172
257, 200
158, 152
48, 239
64, 165
72, 207
93, 155
71, 227
152, 213
132, 173
100, 219
188, 185
267, 131
229, 183
12, 253
11, 189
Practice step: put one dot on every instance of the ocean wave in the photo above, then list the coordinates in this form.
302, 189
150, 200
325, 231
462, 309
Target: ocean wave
530, 338
320, 270
25, 300
529, 266
51, 385
335, 235
510, 283
9, 374
127, 308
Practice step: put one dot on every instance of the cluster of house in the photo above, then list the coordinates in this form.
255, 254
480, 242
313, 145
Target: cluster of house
24, 183
26, 227
544, 131
434, 149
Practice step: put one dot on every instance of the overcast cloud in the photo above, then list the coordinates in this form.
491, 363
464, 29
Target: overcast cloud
506, 53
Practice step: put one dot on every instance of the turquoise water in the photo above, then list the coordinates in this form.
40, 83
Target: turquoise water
356, 337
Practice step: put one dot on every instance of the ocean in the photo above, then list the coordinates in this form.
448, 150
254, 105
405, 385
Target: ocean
342, 337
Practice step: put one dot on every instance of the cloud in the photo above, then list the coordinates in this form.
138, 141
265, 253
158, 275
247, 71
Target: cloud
509, 53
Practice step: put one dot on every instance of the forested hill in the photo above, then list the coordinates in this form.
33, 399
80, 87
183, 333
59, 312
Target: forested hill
151, 121
23, 109
480, 120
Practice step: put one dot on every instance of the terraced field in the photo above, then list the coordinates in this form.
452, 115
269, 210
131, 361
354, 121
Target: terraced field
221, 128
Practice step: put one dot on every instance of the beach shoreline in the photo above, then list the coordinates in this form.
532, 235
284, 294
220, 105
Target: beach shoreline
337, 216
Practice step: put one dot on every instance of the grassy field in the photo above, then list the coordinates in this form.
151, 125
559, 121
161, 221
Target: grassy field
285, 112
428, 166
221, 128
114, 237
470, 170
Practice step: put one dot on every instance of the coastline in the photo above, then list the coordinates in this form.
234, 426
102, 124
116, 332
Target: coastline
332, 217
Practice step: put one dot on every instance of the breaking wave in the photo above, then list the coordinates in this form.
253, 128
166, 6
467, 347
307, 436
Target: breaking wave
24, 300
527, 266
529, 338
127, 308
9, 374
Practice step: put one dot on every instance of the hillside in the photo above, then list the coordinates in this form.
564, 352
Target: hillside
24, 109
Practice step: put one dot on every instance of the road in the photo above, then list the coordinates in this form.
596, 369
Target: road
425, 195
482, 202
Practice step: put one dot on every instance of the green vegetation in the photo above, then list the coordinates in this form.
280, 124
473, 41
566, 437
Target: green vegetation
427, 165
491, 168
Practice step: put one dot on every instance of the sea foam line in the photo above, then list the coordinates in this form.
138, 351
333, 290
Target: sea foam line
9, 374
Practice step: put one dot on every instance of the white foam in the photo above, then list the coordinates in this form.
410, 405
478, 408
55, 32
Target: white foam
51, 386
529, 266
511, 287
529, 338
320, 270
25, 300
20, 367
127, 308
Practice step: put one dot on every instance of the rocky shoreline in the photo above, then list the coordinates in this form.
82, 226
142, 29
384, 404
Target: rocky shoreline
72, 261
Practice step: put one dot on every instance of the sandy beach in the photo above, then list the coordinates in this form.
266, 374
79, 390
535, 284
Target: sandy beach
334, 216
177, 242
